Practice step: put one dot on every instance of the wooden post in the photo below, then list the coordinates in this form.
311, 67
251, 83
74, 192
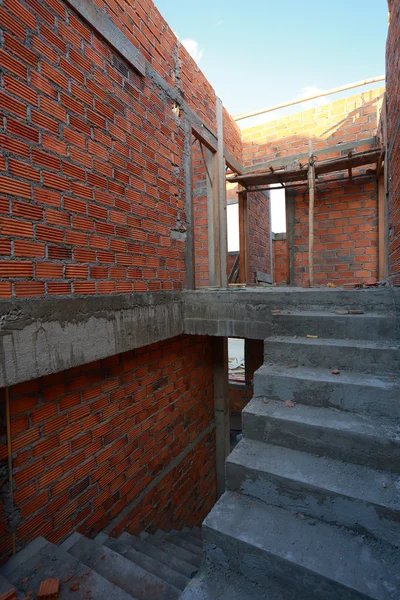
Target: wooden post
223, 227
242, 198
382, 229
311, 192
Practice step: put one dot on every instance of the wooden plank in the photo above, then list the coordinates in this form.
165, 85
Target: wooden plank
242, 235
216, 219
311, 192
327, 166
205, 137
223, 226
293, 160
210, 217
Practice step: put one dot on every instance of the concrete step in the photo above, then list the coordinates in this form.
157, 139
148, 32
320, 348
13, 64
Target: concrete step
369, 326
147, 563
224, 584
175, 549
355, 355
311, 560
359, 498
175, 563
121, 571
350, 391
358, 439
184, 542
5, 586
194, 531
193, 539
40, 560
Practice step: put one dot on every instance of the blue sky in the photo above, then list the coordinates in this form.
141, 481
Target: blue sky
263, 52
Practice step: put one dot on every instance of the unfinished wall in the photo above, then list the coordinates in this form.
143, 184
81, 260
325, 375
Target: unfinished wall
393, 136
345, 236
94, 160
280, 258
259, 240
346, 212
92, 174
89, 441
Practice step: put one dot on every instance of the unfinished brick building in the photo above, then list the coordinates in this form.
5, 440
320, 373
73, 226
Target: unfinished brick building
116, 309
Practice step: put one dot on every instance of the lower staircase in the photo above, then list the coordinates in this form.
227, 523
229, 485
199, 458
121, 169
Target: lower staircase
148, 567
312, 505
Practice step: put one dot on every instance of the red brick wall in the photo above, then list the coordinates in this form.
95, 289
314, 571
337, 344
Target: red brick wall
393, 133
280, 261
346, 213
91, 179
345, 233
259, 245
86, 442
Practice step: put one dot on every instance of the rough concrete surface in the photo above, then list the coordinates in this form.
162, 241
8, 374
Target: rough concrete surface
360, 439
46, 335
330, 490
312, 560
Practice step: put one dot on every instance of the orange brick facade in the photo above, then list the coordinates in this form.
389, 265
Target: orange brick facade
87, 442
280, 261
91, 176
393, 134
346, 227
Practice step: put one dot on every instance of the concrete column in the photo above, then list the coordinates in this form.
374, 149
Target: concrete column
290, 223
221, 408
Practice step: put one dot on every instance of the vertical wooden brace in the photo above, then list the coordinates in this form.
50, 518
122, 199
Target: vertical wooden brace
311, 191
221, 408
223, 236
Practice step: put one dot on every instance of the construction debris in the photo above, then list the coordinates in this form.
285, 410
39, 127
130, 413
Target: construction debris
48, 589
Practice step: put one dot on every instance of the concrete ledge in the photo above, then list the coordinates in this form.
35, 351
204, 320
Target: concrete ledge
43, 336
46, 335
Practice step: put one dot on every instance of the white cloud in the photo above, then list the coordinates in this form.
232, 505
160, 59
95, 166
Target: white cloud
193, 48
310, 90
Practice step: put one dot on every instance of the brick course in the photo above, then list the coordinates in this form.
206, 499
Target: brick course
393, 134
345, 212
87, 442
91, 178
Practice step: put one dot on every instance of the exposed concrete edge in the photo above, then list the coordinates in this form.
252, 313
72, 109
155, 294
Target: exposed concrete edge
154, 482
47, 335
102, 23
288, 160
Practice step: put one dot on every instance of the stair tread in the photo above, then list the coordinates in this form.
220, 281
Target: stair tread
327, 418
5, 585
326, 550
226, 585
148, 563
56, 563
300, 341
176, 563
185, 543
171, 547
331, 315
391, 382
122, 571
355, 481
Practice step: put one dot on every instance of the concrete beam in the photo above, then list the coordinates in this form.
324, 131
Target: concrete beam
221, 409
102, 23
47, 335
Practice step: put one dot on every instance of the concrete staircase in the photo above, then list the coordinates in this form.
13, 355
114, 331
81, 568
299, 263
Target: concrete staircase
312, 507
156, 567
